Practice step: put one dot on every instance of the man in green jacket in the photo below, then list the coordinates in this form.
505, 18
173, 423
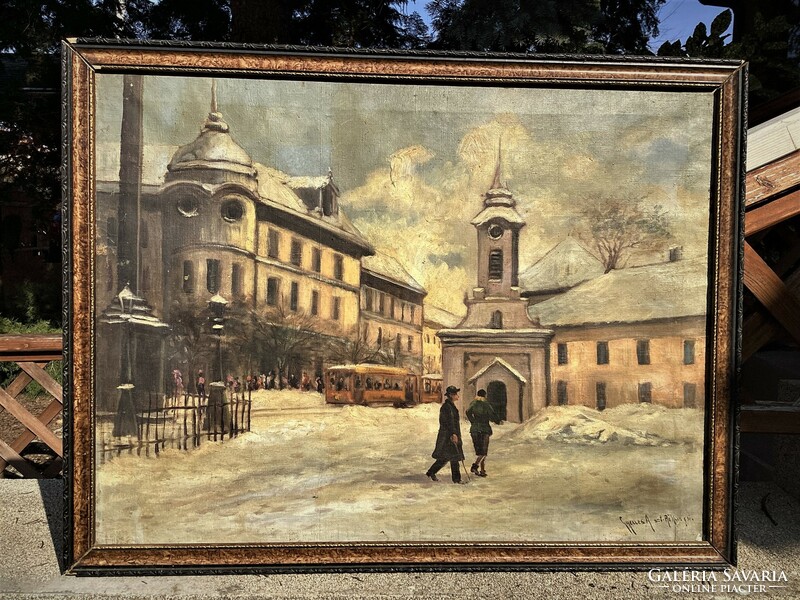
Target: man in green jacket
479, 413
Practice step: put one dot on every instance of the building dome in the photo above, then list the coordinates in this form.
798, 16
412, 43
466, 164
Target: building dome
214, 149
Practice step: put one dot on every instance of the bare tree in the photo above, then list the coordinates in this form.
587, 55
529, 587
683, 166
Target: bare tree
191, 336
354, 351
429, 365
614, 226
275, 335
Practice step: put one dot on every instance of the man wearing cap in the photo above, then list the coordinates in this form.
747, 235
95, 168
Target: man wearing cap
479, 413
448, 442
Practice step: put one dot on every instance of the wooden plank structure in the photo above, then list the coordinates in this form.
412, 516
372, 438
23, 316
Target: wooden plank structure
32, 353
772, 198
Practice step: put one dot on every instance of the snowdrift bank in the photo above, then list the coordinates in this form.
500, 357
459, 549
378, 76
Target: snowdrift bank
640, 425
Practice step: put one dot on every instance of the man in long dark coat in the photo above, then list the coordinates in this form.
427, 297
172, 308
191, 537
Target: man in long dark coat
448, 442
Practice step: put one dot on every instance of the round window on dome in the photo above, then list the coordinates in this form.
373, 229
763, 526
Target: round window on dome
232, 210
188, 206
495, 232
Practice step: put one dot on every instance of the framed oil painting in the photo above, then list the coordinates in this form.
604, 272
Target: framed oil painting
351, 310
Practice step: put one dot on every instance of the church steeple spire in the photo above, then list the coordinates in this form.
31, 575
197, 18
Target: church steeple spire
497, 184
215, 122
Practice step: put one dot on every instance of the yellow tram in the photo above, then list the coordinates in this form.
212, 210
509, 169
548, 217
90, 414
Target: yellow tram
371, 385
431, 388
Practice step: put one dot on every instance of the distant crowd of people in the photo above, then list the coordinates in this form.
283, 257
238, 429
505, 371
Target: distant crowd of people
252, 382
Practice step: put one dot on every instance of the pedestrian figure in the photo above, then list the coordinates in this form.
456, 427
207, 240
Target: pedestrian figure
448, 441
320, 384
177, 380
270, 380
305, 382
479, 413
201, 384
293, 381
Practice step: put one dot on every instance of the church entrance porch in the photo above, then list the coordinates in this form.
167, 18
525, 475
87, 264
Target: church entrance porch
496, 397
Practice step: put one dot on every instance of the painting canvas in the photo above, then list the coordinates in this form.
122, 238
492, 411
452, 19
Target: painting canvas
317, 303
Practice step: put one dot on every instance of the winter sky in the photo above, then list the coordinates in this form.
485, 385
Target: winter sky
413, 161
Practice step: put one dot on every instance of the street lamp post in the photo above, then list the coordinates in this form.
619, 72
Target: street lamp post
217, 306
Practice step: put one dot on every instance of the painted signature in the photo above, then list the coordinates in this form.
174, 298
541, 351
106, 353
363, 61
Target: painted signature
664, 520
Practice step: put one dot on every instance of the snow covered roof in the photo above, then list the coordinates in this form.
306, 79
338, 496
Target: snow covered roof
128, 307
214, 148
388, 267
311, 182
505, 213
439, 316
274, 188
660, 291
564, 266
505, 365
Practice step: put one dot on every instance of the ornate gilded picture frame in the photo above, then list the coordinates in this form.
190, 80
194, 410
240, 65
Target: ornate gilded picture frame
331, 310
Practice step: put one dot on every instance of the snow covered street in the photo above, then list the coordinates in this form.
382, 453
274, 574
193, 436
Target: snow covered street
310, 472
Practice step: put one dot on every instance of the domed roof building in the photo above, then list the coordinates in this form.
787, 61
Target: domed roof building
214, 157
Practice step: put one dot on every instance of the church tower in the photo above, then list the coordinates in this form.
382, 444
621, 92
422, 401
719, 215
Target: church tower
498, 226
497, 348
496, 302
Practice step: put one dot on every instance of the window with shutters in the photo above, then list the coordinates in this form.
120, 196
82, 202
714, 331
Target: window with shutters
338, 267
316, 260
314, 303
643, 352
496, 265
273, 290
273, 243
212, 275
688, 352
563, 357
367, 299
294, 293
296, 255
602, 353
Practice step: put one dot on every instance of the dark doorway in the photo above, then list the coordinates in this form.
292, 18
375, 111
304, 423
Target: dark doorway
496, 396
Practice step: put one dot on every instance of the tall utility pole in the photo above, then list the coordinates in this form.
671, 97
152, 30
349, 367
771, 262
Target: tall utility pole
130, 183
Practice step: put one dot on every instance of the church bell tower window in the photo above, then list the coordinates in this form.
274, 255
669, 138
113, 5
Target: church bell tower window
496, 265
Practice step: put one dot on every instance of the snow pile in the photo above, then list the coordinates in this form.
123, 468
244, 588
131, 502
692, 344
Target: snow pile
582, 425
287, 399
684, 425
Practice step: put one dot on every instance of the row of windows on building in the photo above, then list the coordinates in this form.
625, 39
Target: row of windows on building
642, 352
432, 339
275, 297
296, 252
273, 288
383, 341
386, 304
645, 394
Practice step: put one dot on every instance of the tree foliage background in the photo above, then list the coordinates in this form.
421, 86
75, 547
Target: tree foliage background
31, 30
